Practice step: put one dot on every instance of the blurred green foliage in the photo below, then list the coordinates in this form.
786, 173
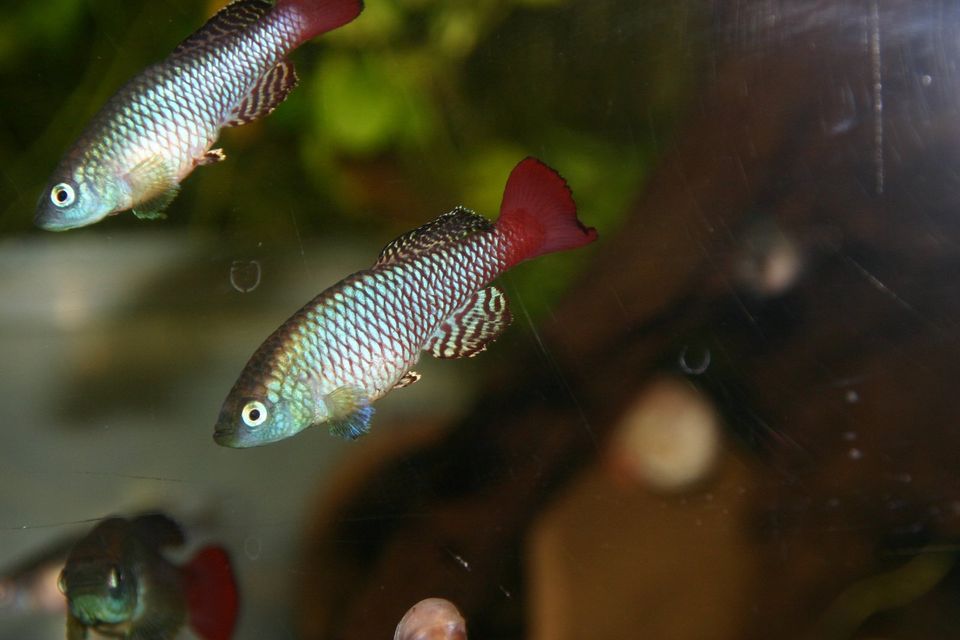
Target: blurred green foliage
415, 107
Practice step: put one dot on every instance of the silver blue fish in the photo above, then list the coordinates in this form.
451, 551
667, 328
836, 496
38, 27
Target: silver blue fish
163, 123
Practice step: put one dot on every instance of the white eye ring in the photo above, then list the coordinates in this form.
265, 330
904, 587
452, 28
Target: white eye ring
254, 413
62, 195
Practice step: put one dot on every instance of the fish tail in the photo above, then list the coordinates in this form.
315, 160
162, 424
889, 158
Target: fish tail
211, 593
320, 16
538, 214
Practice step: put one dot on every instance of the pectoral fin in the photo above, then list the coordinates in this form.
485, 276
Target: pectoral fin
472, 327
153, 183
350, 412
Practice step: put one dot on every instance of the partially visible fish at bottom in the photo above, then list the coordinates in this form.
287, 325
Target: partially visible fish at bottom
118, 582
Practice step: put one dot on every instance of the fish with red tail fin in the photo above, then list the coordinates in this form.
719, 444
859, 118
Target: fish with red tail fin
163, 123
428, 291
118, 583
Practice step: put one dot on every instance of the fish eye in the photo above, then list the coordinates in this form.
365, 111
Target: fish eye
63, 195
115, 582
254, 413
113, 579
62, 583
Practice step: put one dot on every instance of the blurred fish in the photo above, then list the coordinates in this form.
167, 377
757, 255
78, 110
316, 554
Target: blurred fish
118, 583
358, 340
162, 124
432, 619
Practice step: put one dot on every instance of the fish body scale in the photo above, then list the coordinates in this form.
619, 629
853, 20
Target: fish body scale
370, 329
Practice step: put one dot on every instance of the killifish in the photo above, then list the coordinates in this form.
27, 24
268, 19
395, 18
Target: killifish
162, 124
428, 291
118, 583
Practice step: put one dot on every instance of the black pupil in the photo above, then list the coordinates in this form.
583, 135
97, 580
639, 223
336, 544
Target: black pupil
254, 414
62, 195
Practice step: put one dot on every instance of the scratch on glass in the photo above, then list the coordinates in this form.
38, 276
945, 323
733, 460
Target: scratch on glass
875, 63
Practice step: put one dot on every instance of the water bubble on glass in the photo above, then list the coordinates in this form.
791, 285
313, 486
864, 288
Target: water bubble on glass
852, 396
925, 80
245, 276
693, 362
252, 547
855, 454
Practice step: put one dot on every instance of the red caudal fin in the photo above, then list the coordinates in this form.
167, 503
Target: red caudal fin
538, 214
211, 593
321, 16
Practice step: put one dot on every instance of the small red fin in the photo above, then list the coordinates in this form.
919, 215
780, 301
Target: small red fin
211, 593
538, 214
321, 16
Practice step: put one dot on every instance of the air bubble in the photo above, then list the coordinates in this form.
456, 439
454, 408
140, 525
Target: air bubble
252, 547
245, 276
694, 364
925, 80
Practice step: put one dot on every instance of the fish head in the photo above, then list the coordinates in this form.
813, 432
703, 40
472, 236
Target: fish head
254, 418
99, 579
78, 197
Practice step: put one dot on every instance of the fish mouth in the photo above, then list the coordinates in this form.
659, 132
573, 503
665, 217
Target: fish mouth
53, 225
227, 437
48, 222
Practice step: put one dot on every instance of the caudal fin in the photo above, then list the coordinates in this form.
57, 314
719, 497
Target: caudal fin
320, 16
538, 214
211, 593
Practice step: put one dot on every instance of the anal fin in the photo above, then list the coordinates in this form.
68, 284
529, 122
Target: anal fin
472, 327
349, 412
266, 95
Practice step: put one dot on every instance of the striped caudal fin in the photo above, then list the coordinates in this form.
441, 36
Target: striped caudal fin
538, 214
321, 16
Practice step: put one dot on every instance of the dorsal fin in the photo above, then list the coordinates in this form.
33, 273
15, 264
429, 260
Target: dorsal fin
472, 327
450, 227
233, 18
158, 530
266, 95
